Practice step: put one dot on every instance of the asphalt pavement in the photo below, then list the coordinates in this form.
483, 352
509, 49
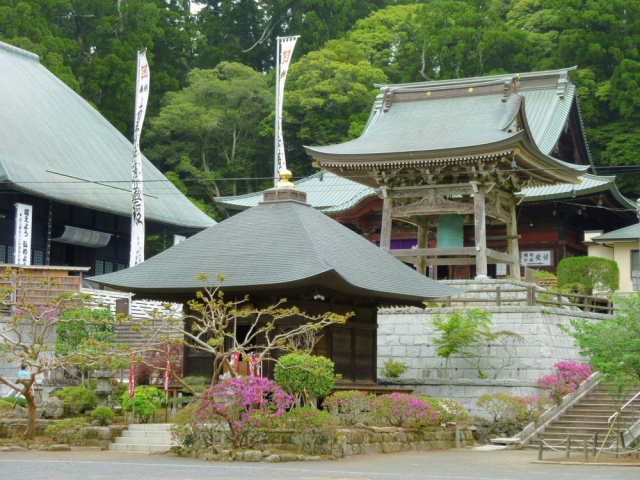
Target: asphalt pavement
463, 464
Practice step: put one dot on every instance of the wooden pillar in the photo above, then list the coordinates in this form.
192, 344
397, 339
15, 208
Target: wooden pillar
385, 228
512, 231
480, 233
422, 243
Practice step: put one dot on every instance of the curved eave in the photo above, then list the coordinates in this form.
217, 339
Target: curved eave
329, 279
609, 187
104, 208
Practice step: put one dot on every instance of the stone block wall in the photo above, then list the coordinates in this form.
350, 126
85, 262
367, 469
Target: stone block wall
407, 335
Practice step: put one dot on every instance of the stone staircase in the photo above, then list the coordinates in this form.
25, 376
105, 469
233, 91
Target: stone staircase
146, 437
586, 418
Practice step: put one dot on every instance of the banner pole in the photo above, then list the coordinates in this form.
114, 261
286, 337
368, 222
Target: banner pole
277, 123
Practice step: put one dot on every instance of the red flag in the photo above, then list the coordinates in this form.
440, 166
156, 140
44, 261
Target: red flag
132, 381
235, 361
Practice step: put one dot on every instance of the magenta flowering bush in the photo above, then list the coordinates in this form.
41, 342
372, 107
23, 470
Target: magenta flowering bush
569, 374
242, 408
313, 429
398, 409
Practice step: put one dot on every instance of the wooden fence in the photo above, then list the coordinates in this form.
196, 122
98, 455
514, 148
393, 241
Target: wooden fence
533, 297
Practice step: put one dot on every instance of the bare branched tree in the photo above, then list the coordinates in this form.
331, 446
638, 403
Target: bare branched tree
208, 326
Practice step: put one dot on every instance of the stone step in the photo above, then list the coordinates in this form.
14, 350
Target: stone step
146, 434
129, 447
143, 441
150, 426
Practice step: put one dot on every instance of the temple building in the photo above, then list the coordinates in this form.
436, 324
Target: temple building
66, 173
429, 146
283, 248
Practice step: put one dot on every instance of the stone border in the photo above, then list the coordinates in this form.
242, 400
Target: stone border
459, 382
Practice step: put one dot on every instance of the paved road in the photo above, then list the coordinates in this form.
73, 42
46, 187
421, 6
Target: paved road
449, 464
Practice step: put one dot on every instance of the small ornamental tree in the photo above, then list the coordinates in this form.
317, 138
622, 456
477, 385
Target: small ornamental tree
593, 273
305, 376
612, 344
208, 328
462, 333
147, 400
26, 335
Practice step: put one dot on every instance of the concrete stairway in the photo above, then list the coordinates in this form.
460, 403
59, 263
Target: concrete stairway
150, 437
588, 417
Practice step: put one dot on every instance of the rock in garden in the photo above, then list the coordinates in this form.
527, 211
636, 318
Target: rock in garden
252, 456
266, 453
312, 459
52, 408
288, 457
272, 459
59, 448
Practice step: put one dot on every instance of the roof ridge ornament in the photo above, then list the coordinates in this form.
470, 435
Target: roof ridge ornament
285, 175
563, 83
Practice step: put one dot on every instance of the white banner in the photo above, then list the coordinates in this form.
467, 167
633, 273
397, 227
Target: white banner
285, 52
137, 199
22, 247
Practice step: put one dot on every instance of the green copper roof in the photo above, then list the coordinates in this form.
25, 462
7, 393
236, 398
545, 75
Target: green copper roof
57, 146
627, 234
277, 246
467, 118
334, 194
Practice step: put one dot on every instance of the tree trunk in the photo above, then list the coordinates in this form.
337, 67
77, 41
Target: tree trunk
30, 433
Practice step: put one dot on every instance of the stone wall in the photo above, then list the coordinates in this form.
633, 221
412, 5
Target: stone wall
407, 335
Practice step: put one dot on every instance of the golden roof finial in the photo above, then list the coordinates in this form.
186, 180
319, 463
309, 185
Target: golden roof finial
285, 175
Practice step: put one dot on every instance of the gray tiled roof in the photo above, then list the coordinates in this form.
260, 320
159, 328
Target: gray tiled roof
334, 194
55, 145
276, 246
630, 234
466, 117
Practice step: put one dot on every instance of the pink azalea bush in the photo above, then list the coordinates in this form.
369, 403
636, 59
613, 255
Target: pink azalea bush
535, 405
398, 409
569, 374
313, 429
242, 408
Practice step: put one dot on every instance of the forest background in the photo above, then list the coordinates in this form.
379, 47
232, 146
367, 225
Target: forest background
210, 116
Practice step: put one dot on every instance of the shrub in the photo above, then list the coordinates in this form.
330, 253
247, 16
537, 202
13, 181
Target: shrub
393, 369
4, 406
398, 409
305, 376
593, 272
569, 374
77, 399
502, 406
20, 401
104, 414
314, 429
243, 408
347, 406
534, 406
67, 431
118, 388
147, 399
449, 411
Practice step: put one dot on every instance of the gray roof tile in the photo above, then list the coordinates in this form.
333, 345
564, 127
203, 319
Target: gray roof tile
276, 246
55, 145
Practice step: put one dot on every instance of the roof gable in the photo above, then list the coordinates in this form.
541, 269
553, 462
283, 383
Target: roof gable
55, 145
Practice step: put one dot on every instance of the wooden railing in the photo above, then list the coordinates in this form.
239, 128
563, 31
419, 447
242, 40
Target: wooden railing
533, 297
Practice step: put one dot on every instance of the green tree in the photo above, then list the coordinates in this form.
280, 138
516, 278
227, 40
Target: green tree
305, 377
211, 128
328, 99
592, 272
462, 333
612, 345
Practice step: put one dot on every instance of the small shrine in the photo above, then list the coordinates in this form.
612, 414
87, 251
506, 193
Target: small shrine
284, 248
445, 154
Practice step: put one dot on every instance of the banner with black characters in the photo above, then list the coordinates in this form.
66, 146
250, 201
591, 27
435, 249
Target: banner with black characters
285, 51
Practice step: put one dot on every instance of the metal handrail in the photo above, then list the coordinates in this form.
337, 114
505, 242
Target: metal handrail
624, 406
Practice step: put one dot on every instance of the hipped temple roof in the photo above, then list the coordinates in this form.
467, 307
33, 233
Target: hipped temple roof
57, 146
465, 117
278, 246
627, 234
330, 193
